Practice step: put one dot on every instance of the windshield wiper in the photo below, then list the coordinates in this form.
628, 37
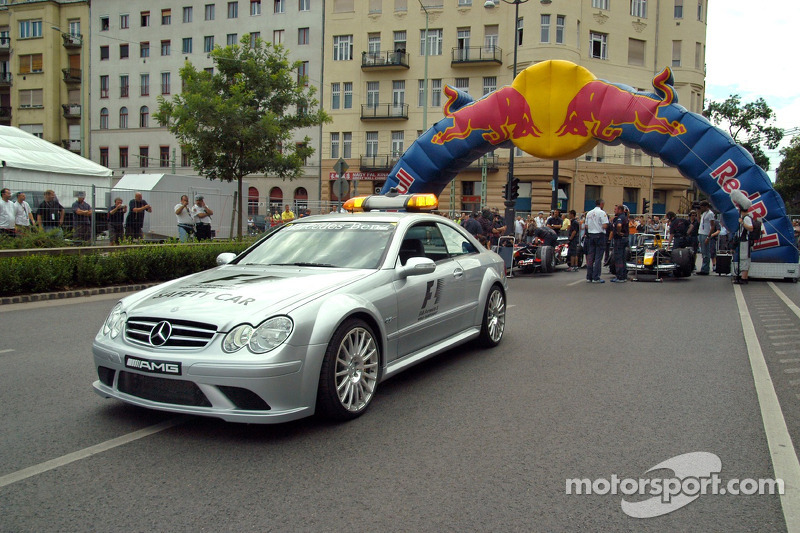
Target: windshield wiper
301, 264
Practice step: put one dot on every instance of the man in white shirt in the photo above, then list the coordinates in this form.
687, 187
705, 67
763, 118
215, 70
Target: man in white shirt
24, 215
703, 236
8, 214
596, 225
540, 220
519, 229
201, 214
185, 221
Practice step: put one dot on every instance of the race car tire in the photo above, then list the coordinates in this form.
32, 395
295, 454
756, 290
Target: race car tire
580, 256
548, 259
350, 372
683, 258
494, 318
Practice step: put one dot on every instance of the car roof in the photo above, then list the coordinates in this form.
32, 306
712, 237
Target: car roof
373, 216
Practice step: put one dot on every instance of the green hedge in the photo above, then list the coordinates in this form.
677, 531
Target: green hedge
48, 273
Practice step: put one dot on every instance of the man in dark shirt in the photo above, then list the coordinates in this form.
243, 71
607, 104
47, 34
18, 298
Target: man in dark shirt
135, 220
678, 230
471, 224
116, 221
81, 219
50, 215
547, 235
620, 231
555, 222
574, 236
485, 220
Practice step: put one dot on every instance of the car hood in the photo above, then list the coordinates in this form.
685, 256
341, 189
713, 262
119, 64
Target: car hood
232, 294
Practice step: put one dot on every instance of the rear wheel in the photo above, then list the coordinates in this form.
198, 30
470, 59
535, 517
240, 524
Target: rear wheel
548, 259
494, 318
350, 370
683, 258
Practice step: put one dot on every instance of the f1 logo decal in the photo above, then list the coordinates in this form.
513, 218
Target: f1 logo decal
430, 292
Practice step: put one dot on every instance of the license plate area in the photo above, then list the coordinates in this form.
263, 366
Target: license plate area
170, 368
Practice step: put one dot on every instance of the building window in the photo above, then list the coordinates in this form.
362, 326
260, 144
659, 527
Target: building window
398, 142
144, 83
208, 43
231, 39
123, 157
124, 86
104, 53
372, 144
636, 52
302, 74
31, 98
436, 92
304, 5
144, 116
598, 45
342, 47
373, 94
334, 145
347, 144
184, 157
335, 95
166, 17
302, 36
277, 37
105, 24
104, 156
103, 86
489, 84
144, 49
124, 51
600, 4
280, 6
233, 10
678, 9
209, 11
144, 156
255, 7
676, 53
165, 83
639, 8
104, 118
374, 44
124, 22
187, 14
462, 84
561, 22
545, 34
144, 18
421, 97
699, 11
163, 156
123, 118
434, 42
348, 95
187, 45
30, 63
165, 48
698, 55
254, 37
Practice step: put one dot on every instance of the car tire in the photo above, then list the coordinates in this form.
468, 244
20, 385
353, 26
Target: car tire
494, 318
580, 256
548, 258
350, 372
683, 258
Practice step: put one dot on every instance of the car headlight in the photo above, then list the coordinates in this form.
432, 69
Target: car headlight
237, 338
116, 319
270, 334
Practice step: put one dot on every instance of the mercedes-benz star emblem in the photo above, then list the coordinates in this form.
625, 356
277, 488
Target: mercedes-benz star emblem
160, 333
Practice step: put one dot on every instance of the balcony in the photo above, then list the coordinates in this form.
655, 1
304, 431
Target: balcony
384, 60
5, 45
71, 110
73, 145
5, 79
378, 163
71, 75
476, 55
492, 164
5, 114
72, 42
384, 112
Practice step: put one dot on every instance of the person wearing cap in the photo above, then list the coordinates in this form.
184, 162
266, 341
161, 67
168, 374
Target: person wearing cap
82, 219
471, 224
201, 214
704, 231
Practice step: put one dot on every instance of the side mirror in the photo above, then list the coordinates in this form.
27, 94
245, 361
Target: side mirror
225, 258
417, 266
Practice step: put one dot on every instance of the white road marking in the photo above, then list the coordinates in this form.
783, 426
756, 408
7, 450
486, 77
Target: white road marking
789, 361
790, 304
7, 350
784, 459
790, 336
576, 282
791, 370
35, 470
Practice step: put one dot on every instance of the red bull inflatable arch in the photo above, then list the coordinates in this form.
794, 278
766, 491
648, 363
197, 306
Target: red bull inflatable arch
559, 110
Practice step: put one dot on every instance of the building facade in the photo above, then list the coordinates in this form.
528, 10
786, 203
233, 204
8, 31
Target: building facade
43, 61
137, 51
381, 55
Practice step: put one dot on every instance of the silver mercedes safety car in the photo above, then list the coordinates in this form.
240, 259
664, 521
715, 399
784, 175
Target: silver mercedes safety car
309, 319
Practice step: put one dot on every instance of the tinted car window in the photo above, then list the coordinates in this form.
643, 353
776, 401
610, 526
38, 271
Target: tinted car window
456, 243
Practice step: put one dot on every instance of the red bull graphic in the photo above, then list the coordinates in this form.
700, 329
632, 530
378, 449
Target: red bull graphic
600, 109
501, 115
559, 110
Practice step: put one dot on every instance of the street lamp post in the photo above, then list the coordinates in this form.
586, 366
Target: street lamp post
509, 202
425, 82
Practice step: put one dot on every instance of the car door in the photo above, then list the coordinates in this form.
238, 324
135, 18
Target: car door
467, 256
430, 306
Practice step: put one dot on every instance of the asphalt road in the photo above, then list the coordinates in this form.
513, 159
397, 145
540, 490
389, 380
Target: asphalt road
591, 381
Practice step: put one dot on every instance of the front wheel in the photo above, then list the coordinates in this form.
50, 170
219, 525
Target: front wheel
350, 371
494, 318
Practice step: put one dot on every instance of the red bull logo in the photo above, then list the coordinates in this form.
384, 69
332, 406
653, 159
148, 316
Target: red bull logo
600, 109
502, 115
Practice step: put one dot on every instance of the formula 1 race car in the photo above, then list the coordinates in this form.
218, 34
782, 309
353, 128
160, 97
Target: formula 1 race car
562, 252
533, 257
650, 256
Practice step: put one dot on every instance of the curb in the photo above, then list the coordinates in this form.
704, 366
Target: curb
60, 295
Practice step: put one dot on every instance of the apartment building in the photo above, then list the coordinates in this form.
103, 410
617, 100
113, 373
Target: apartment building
137, 51
42, 70
379, 59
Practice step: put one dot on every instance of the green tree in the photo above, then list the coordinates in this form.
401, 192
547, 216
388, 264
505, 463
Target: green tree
788, 174
240, 119
749, 124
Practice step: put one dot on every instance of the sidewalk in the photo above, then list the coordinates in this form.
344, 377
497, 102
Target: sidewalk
60, 295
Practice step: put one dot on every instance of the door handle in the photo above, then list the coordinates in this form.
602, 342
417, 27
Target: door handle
458, 273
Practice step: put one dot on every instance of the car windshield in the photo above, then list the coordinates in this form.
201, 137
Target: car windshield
335, 244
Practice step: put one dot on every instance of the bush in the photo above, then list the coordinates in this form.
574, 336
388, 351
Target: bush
48, 273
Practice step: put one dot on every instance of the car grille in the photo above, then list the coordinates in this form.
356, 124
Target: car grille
162, 390
185, 333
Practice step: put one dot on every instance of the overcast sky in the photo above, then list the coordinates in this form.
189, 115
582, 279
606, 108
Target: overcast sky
752, 50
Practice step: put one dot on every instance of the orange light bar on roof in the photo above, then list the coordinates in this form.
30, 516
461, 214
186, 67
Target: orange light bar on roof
398, 202
355, 204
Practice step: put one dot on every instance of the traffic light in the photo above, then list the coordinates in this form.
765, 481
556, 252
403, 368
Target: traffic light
506, 191
645, 206
514, 185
